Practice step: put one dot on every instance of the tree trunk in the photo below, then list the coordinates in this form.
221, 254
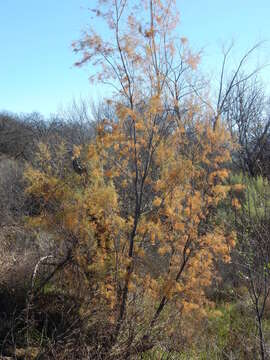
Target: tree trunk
262, 348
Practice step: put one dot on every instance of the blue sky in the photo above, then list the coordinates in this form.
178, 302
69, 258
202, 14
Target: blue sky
36, 62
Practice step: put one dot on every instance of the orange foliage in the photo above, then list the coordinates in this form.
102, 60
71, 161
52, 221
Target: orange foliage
143, 222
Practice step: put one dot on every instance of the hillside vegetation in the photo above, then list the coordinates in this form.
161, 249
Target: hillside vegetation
140, 229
